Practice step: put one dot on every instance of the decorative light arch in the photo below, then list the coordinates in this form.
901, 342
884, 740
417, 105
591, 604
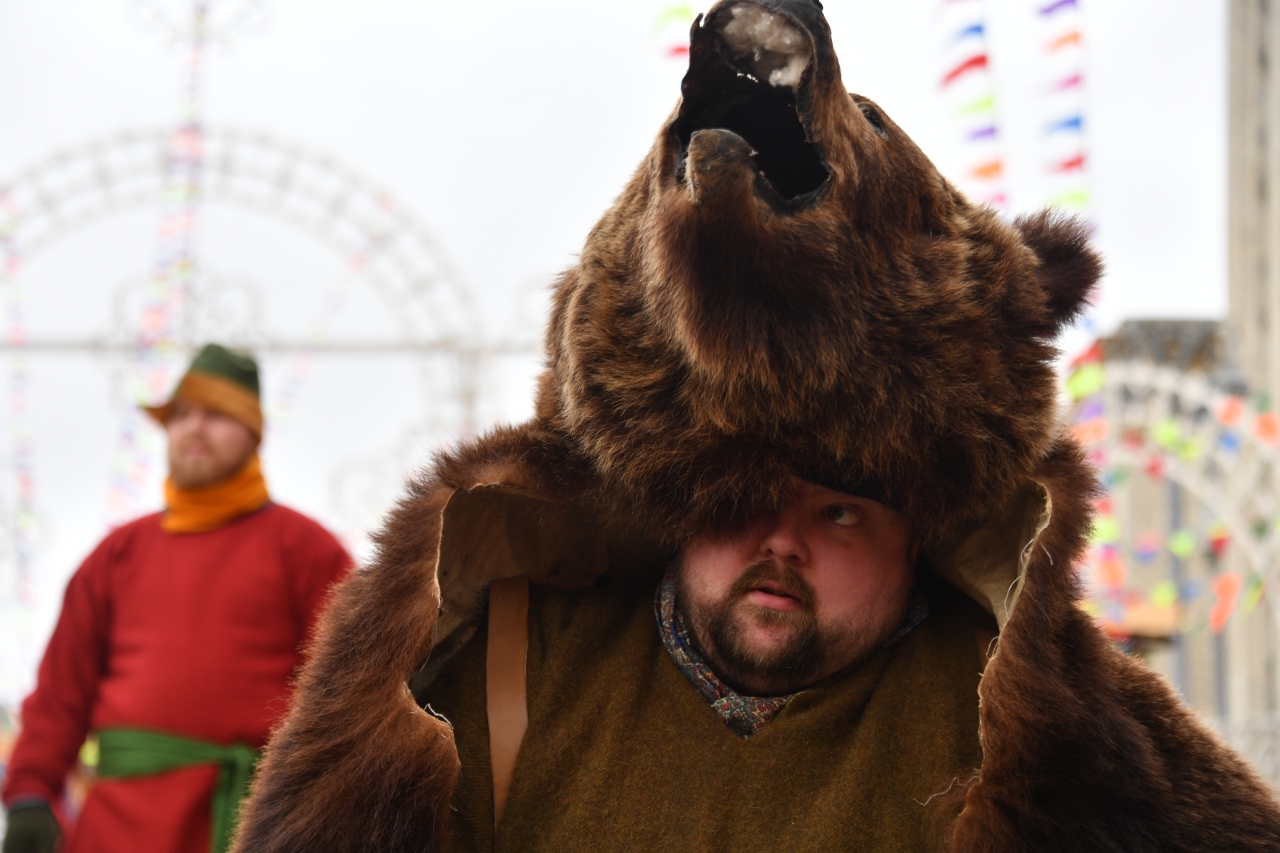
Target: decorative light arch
374, 237
293, 183
1204, 439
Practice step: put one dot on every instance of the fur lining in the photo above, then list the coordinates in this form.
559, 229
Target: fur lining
357, 765
1084, 747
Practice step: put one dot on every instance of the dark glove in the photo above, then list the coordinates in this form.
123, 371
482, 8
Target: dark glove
32, 829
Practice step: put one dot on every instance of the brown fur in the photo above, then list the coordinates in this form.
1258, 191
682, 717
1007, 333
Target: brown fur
882, 335
357, 765
891, 337
1084, 748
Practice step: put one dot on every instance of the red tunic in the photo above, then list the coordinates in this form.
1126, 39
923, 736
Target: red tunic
195, 634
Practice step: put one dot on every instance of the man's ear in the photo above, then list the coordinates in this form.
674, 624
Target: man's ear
1069, 268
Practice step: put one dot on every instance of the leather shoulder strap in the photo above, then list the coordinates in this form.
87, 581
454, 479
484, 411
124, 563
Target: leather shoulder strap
505, 679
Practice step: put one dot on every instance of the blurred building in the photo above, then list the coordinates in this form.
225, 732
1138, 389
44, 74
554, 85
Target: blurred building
1181, 418
1254, 192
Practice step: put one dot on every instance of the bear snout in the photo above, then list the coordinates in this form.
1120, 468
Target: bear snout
719, 167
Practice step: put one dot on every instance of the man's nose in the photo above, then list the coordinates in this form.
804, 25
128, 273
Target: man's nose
784, 541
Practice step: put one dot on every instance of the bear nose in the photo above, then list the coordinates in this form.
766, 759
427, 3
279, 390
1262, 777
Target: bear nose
719, 164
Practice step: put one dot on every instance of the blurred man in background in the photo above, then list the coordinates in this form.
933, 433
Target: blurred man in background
177, 641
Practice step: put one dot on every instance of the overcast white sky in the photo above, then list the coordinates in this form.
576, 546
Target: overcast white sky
507, 128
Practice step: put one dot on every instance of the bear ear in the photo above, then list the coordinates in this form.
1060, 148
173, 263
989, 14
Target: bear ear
1069, 268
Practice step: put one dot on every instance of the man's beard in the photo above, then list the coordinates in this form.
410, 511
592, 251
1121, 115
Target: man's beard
200, 471
804, 656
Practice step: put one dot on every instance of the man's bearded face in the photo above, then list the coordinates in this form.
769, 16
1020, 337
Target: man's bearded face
206, 446
799, 595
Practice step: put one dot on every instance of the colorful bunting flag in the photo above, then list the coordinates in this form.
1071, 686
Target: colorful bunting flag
1226, 593
1071, 164
1058, 6
1089, 379
1077, 199
983, 105
1106, 530
1229, 411
1254, 590
1070, 123
973, 63
988, 171
1164, 594
671, 27
1167, 433
1071, 39
1190, 450
1229, 442
1182, 544
1071, 81
1111, 570
1267, 428
1091, 407
1091, 431
1219, 539
1147, 546
1094, 354
968, 86
1115, 476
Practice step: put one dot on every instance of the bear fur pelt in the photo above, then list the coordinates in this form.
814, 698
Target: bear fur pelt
786, 286
825, 304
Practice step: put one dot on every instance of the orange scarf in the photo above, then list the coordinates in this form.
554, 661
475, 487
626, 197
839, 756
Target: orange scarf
197, 510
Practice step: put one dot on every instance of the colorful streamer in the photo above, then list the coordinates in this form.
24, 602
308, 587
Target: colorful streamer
1267, 429
1060, 5
1071, 39
671, 29
1182, 544
967, 83
973, 63
1226, 593
1230, 411
1065, 122
1148, 546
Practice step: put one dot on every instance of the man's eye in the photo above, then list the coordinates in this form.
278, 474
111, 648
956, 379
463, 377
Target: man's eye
842, 515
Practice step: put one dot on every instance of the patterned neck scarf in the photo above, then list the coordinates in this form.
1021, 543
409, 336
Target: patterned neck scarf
744, 715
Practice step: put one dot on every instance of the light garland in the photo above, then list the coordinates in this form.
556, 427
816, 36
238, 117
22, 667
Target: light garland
159, 339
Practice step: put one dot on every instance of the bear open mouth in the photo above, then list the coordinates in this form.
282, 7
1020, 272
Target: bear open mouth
748, 76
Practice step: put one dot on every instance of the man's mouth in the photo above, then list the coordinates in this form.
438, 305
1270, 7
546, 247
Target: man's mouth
194, 449
774, 597
748, 72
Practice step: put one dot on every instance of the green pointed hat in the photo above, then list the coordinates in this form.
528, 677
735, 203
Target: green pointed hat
222, 379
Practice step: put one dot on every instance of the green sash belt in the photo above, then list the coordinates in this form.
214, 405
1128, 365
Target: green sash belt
124, 753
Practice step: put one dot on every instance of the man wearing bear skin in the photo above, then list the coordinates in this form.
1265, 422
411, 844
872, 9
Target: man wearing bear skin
784, 561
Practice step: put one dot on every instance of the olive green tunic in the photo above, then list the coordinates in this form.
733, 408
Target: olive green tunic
623, 754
